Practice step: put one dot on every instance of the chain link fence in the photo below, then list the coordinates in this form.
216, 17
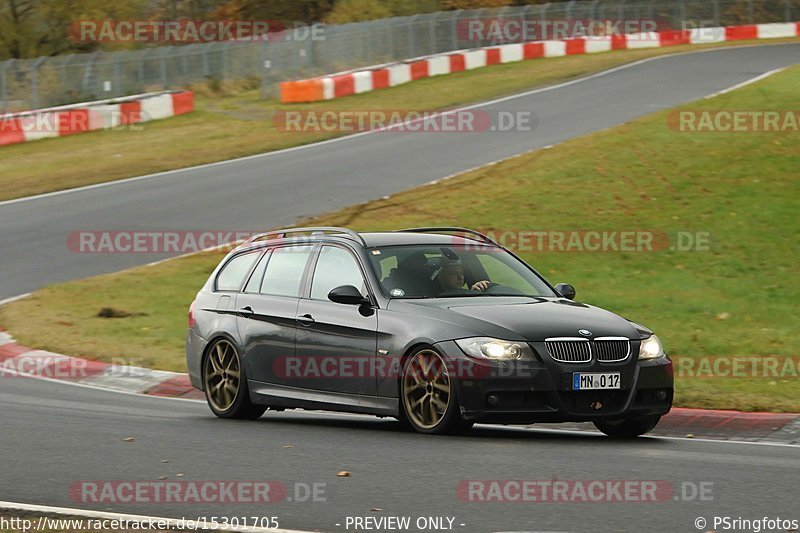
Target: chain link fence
51, 81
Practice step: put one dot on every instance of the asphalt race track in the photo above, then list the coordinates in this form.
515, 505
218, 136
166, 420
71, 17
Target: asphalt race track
272, 190
54, 435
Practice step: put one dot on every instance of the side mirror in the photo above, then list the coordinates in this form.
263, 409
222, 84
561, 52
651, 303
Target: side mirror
347, 294
566, 290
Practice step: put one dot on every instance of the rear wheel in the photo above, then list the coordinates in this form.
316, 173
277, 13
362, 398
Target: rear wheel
429, 397
226, 385
627, 428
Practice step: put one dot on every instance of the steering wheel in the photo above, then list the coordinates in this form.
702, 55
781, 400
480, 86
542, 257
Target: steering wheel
496, 288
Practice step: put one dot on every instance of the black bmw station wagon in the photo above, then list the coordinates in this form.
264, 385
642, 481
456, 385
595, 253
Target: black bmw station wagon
438, 327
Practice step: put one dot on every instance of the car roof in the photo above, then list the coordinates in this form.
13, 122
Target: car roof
373, 239
397, 238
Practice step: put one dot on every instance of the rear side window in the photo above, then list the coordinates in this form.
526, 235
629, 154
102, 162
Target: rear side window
284, 271
254, 284
233, 273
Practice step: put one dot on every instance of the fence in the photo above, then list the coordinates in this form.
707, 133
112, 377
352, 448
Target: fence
50, 81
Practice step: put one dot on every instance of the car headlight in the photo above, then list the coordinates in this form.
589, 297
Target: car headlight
651, 348
495, 349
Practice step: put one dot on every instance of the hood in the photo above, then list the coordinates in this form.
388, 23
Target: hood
535, 319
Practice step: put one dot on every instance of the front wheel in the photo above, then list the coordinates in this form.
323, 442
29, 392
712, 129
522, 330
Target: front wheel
429, 398
627, 428
226, 385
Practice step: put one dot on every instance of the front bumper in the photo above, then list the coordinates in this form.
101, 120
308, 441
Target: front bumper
541, 391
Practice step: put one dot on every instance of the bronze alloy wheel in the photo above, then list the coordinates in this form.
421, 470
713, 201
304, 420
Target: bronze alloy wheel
427, 391
222, 375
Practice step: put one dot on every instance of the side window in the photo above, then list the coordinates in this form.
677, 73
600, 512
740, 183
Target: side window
335, 267
284, 270
254, 284
233, 273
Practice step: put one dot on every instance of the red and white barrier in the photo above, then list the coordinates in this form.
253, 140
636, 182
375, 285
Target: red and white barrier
361, 81
91, 116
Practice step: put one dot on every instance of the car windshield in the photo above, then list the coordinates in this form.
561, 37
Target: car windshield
421, 271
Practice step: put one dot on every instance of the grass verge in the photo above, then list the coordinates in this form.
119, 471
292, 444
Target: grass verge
227, 127
738, 298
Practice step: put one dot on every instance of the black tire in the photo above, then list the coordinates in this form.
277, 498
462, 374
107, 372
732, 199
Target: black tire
627, 428
216, 378
445, 420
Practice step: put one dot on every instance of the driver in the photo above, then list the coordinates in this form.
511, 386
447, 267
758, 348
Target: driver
451, 276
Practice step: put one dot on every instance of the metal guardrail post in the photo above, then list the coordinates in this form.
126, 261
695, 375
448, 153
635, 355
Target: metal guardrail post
225, 58
35, 82
593, 10
206, 48
568, 9
412, 35
266, 65
454, 29
432, 33
4, 66
162, 59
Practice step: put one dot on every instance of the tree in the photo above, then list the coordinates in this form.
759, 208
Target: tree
357, 10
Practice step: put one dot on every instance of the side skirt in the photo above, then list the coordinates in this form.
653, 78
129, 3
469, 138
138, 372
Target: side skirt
293, 397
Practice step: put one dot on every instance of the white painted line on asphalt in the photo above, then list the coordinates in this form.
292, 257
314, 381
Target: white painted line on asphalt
139, 519
14, 299
745, 83
659, 437
370, 132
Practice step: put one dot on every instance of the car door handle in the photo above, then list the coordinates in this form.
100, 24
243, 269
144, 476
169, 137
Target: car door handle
246, 311
306, 319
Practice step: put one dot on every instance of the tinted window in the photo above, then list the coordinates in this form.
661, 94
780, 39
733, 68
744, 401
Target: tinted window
284, 270
233, 273
412, 271
254, 284
335, 267
502, 273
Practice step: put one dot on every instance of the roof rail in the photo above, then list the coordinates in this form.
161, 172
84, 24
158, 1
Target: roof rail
442, 229
321, 230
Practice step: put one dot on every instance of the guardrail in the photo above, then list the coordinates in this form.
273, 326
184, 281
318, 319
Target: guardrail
46, 81
384, 76
91, 116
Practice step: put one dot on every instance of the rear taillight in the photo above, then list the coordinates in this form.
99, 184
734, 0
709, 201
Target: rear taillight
191, 316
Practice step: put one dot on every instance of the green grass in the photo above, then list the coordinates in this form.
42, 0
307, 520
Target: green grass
738, 299
234, 126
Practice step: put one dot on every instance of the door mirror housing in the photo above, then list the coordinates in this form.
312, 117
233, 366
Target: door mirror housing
347, 294
566, 290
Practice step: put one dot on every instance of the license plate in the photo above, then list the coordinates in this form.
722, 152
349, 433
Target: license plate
595, 380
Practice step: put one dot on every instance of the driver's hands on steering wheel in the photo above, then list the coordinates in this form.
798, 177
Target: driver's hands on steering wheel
481, 285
